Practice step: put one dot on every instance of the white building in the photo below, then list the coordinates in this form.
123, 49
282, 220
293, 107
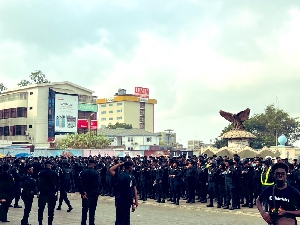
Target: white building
131, 139
38, 114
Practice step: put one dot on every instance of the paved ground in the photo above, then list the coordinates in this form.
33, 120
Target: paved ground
147, 213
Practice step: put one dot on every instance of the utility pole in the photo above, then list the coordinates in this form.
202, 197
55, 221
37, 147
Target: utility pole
168, 134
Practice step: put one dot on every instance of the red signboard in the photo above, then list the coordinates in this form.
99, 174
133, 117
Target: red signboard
141, 92
84, 123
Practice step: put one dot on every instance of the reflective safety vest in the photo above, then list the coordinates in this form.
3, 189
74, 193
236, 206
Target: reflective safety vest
265, 177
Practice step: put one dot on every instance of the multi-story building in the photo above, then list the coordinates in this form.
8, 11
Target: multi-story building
195, 144
39, 114
127, 108
167, 138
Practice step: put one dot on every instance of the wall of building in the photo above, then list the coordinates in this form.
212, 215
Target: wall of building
36, 102
132, 113
149, 117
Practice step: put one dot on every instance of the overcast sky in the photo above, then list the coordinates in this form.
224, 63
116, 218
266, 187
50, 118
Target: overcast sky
196, 57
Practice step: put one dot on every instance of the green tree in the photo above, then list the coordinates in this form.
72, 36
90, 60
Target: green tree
219, 142
2, 87
84, 141
119, 125
37, 77
272, 121
265, 126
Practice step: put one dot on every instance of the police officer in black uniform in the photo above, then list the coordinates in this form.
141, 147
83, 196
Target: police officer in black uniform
176, 182
65, 178
17, 179
48, 184
212, 183
28, 192
248, 183
6, 192
191, 181
126, 192
89, 190
145, 180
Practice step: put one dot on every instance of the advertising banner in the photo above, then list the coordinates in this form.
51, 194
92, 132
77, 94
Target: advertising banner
66, 113
141, 92
84, 123
88, 107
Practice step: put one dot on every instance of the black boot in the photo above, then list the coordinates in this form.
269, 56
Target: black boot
70, 209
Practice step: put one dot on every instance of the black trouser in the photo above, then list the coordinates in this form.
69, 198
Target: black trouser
122, 214
144, 189
27, 208
221, 194
212, 191
230, 194
191, 186
177, 191
51, 201
17, 194
248, 188
4, 206
89, 205
160, 191
63, 196
202, 190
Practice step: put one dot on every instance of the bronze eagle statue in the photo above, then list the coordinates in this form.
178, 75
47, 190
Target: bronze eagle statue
237, 119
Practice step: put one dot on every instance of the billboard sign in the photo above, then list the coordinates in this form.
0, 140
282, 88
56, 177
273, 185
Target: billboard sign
144, 100
66, 113
141, 92
84, 124
110, 99
88, 107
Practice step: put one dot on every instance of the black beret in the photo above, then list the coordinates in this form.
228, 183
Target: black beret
92, 161
48, 162
280, 165
128, 163
5, 167
246, 161
27, 167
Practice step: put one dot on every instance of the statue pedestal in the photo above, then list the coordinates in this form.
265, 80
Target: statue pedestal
238, 143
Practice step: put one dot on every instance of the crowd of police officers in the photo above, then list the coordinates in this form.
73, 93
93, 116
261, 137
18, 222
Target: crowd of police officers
217, 181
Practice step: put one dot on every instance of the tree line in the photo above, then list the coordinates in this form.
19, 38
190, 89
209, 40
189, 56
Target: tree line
37, 77
265, 126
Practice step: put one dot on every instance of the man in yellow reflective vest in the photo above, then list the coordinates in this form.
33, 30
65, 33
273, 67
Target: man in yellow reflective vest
266, 178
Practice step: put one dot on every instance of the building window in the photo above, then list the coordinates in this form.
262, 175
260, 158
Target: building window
103, 119
111, 111
30, 126
149, 139
103, 112
6, 113
119, 110
111, 104
22, 112
119, 103
103, 105
31, 93
111, 118
119, 118
103, 126
20, 129
130, 139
